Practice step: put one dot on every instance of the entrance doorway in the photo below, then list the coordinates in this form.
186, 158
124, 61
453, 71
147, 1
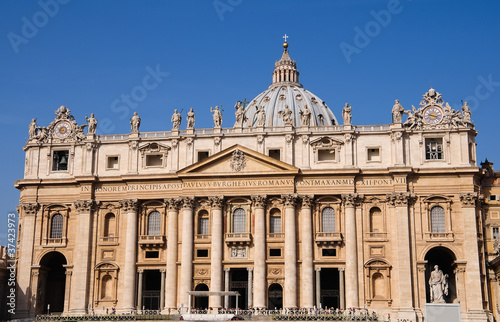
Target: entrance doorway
329, 288
201, 302
51, 283
151, 289
275, 297
239, 283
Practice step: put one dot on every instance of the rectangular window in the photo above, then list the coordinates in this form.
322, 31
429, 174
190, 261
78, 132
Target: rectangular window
329, 252
493, 197
275, 154
373, 154
152, 254
60, 160
275, 225
239, 221
154, 160
203, 226
434, 149
202, 253
496, 234
112, 163
202, 155
275, 252
326, 155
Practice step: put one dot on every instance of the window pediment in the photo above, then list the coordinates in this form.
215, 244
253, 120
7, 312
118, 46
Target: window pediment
326, 142
154, 147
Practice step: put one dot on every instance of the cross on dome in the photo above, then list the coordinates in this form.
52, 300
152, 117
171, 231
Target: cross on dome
285, 37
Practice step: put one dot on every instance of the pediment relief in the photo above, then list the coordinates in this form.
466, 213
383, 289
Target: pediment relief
106, 266
374, 200
437, 198
326, 142
238, 160
377, 263
154, 147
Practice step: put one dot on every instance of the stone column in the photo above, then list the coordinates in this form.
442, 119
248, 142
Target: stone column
80, 282
162, 292
216, 251
307, 271
318, 287
187, 250
259, 264
351, 261
250, 288
129, 207
173, 212
67, 288
473, 271
139, 289
27, 219
226, 287
341, 288
290, 298
400, 201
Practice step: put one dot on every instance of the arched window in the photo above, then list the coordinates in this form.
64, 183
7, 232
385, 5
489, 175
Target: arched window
437, 220
239, 221
109, 225
56, 227
154, 223
328, 220
106, 287
275, 221
203, 220
376, 220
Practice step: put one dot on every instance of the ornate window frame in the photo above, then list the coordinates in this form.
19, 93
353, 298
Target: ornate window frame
103, 212
152, 241
326, 143
243, 238
48, 213
154, 148
445, 203
272, 205
100, 271
328, 238
203, 211
368, 205
373, 267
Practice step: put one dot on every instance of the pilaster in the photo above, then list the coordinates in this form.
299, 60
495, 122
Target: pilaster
290, 292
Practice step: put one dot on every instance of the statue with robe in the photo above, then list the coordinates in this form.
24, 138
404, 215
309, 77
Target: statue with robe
438, 283
176, 120
190, 118
346, 114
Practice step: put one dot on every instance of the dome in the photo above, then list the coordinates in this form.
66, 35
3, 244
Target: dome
287, 91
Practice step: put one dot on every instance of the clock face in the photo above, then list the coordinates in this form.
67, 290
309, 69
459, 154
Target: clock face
62, 129
433, 115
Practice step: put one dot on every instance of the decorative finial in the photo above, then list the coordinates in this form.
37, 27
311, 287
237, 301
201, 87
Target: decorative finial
285, 44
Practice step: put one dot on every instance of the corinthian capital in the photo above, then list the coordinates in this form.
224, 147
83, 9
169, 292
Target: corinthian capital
83, 206
289, 200
468, 199
350, 199
172, 203
216, 201
259, 201
30, 208
129, 204
307, 201
187, 202
400, 199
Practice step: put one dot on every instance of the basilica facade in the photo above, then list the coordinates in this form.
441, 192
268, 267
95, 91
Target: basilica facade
288, 207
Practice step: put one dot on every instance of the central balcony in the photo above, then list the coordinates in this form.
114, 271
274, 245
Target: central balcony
329, 238
238, 238
152, 240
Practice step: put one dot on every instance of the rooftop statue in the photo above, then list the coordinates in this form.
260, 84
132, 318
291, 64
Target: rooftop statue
239, 115
176, 120
92, 123
346, 114
33, 129
397, 113
305, 116
217, 116
135, 122
287, 115
261, 116
190, 118
466, 112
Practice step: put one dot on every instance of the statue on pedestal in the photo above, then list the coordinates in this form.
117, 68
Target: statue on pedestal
466, 112
305, 116
92, 123
217, 116
239, 114
135, 122
346, 114
397, 113
190, 118
438, 283
261, 116
176, 120
286, 115
33, 129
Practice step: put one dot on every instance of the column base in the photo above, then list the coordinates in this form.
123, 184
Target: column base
407, 314
475, 316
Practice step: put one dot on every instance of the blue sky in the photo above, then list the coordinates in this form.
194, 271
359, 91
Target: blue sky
93, 56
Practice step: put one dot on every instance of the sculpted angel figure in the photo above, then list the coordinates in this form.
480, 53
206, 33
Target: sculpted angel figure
176, 120
346, 114
135, 122
305, 116
438, 283
397, 113
190, 118
217, 116
33, 129
92, 123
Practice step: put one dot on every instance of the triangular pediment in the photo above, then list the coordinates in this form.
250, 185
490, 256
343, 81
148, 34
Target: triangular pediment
238, 160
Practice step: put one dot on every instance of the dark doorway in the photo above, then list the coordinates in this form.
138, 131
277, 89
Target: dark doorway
151, 289
51, 283
275, 297
443, 258
329, 288
239, 283
201, 302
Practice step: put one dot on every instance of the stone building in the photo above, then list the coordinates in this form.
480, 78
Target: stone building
287, 207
